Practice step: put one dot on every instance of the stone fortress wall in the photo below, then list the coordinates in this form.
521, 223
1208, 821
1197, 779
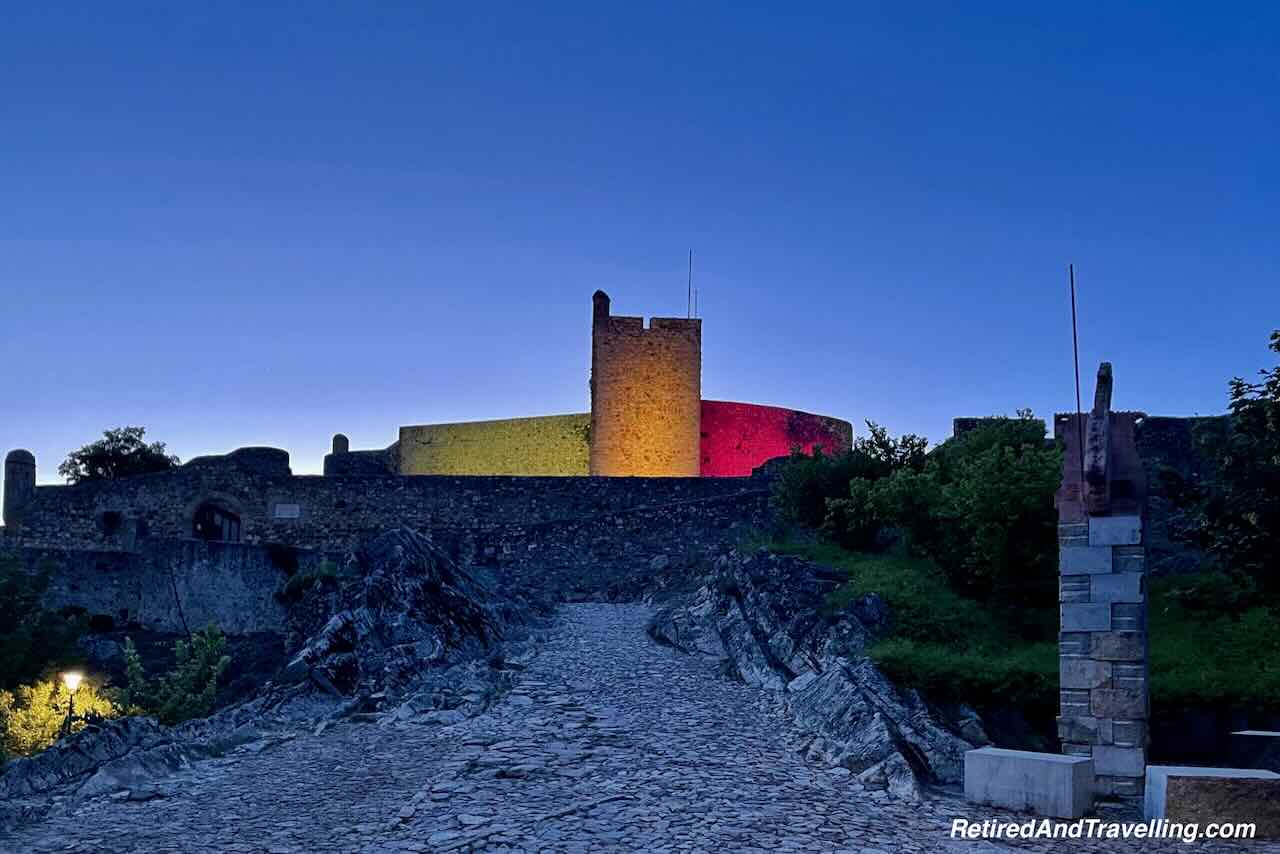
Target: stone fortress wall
271, 505
126, 551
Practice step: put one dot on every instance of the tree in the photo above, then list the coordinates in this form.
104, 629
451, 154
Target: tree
189, 689
1238, 513
119, 453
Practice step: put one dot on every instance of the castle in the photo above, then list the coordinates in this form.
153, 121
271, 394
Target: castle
647, 419
648, 423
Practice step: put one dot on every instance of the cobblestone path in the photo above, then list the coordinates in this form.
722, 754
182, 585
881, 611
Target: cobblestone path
609, 743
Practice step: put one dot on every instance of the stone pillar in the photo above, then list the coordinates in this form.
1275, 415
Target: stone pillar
1102, 647
341, 444
19, 485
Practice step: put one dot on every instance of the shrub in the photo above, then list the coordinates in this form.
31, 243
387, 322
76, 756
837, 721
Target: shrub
981, 507
32, 716
300, 582
189, 689
1025, 676
807, 482
32, 639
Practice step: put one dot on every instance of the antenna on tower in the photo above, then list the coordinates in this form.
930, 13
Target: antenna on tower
689, 296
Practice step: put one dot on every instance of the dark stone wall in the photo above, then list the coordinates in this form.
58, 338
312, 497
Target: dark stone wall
172, 586
327, 513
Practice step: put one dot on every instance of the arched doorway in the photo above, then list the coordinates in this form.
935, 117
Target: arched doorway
212, 521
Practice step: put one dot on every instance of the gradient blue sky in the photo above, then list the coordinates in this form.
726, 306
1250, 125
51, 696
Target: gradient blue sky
264, 225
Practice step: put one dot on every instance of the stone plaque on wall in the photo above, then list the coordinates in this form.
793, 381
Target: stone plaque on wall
287, 511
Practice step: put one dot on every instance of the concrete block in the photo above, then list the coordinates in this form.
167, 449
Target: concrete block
1252, 748
1084, 560
1085, 729
1115, 530
1086, 618
1129, 617
1129, 733
1119, 761
1075, 643
1118, 646
1205, 795
1074, 704
1117, 587
1083, 673
1045, 783
1118, 703
1074, 588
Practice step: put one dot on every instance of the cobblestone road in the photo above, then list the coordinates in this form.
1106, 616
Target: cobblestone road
609, 743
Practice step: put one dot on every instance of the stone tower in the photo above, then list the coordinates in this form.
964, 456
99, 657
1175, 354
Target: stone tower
646, 394
19, 485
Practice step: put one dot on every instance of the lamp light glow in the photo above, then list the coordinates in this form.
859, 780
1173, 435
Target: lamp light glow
72, 679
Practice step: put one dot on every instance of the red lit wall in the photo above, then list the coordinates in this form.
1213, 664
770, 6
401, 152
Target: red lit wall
738, 437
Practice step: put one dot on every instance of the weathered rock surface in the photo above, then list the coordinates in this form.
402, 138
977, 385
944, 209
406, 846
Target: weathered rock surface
766, 616
411, 609
417, 639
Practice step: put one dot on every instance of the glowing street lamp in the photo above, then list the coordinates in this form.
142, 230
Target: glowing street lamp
72, 679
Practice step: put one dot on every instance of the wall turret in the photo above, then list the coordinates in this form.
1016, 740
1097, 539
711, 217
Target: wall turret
19, 485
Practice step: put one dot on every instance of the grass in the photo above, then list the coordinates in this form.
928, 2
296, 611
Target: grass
1202, 658
949, 647
956, 649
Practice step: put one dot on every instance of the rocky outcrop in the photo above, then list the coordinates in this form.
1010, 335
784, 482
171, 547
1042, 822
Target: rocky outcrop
415, 639
412, 608
767, 617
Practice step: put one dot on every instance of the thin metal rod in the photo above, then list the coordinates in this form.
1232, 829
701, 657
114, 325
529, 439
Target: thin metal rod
1075, 352
689, 296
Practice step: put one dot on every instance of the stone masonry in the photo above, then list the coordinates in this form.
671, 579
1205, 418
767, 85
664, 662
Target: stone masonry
1103, 642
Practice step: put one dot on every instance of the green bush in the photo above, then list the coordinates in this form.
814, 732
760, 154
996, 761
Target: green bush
981, 507
807, 482
300, 582
188, 690
1024, 676
32, 640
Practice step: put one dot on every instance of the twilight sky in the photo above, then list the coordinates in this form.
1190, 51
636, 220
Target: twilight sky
266, 225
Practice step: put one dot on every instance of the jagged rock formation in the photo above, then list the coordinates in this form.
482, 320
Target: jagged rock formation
765, 616
412, 609
417, 638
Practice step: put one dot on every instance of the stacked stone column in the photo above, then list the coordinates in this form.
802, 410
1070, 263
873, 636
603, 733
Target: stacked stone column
1104, 704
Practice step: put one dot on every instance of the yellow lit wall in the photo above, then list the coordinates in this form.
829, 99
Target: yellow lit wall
547, 445
646, 394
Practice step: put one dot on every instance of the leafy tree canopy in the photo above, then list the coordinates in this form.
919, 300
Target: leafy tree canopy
119, 453
1238, 511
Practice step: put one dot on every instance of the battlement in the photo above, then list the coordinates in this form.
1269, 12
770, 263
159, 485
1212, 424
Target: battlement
659, 326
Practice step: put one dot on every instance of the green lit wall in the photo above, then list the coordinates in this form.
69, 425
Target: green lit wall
547, 445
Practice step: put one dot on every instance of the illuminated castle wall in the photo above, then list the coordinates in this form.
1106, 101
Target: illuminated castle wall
647, 418
546, 445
